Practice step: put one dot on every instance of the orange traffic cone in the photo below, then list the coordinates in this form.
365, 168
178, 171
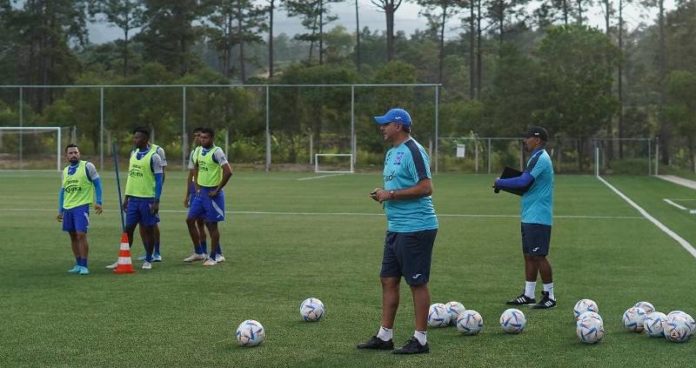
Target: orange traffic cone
124, 257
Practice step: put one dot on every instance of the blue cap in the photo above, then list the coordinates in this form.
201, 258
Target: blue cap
395, 115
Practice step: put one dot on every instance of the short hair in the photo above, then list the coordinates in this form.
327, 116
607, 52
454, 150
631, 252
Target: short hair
198, 130
208, 131
142, 130
71, 145
406, 129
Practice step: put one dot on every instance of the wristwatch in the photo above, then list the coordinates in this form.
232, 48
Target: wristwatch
392, 195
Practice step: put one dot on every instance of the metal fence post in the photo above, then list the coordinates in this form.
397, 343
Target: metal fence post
268, 130
437, 126
184, 138
101, 128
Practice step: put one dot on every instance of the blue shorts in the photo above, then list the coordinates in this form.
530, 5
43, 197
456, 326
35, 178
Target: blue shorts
76, 219
408, 255
209, 209
138, 212
536, 239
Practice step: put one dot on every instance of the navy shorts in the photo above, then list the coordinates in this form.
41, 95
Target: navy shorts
138, 212
408, 255
76, 219
536, 239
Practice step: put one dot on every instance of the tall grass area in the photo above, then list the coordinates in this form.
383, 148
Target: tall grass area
287, 239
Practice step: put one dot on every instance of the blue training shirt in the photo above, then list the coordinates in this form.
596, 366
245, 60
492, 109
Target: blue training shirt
404, 166
537, 202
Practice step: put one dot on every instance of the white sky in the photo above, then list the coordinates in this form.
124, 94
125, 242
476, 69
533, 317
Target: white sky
406, 19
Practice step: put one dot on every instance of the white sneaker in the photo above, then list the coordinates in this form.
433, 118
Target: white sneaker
147, 266
209, 262
112, 266
156, 258
196, 257
220, 258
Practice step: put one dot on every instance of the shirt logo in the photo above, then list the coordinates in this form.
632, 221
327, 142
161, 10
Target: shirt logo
399, 156
389, 177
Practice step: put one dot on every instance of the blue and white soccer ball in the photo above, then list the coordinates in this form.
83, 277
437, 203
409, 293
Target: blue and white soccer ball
677, 329
633, 319
250, 333
469, 322
584, 305
513, 321
454, 309
653, 324
647, 306
438, 315
590, 328
687, 317
312, 309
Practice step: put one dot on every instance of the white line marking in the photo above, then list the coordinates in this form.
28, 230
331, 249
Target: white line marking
318, 177
674, 204
679, 181
685, 244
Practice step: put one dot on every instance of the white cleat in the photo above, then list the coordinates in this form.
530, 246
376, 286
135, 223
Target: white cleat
112, 266
209, 262
196, 257
220, 258
147, 266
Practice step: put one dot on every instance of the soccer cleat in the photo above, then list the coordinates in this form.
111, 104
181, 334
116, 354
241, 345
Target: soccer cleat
156, 257
147, 266
219, 258
375, 343
209, 262
521, 300
83, 271
75, 269
413, 347
196, 257
545, 303
113, 265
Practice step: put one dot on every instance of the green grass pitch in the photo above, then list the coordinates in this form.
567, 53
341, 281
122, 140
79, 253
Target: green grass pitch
287, 239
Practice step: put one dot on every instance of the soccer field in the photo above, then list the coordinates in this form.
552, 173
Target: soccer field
286, 239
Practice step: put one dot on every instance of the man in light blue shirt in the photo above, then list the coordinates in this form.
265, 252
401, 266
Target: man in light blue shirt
537, 218
411, 230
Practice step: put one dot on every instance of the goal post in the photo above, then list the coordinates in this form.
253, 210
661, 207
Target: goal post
19, 144
334, 163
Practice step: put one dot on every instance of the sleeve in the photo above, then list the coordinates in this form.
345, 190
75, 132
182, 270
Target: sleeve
98, 190
156, 163
220, 157
542, 164
419, 165
191, 163
92, 173
519, 182
160, 152
61, 195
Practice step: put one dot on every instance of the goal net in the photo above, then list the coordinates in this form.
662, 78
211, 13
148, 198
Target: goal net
32, 148
337, 163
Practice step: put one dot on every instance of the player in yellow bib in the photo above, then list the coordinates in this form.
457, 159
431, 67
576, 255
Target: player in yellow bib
80, 183
212, 172
200, 248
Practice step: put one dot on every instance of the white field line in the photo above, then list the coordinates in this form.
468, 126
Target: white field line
674, 204
685, 244
318, 177
279, 213
678, 180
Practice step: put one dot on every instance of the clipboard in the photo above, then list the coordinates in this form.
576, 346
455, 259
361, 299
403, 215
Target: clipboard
508, 173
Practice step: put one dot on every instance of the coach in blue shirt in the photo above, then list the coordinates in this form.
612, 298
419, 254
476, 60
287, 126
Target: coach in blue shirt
537, 218
411, 230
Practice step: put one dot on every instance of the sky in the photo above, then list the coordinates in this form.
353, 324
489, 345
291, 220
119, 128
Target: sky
407, 19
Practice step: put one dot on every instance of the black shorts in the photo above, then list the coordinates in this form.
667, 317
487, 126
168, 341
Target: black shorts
408, 255
536, 239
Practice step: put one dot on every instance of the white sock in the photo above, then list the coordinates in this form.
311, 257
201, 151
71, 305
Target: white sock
385, 334
549, 289
421, 336
529, 288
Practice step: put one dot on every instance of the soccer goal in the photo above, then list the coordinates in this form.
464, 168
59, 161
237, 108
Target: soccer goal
31, 148
333, 163
624, 156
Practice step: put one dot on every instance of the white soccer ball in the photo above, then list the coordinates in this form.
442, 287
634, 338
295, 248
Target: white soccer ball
653, 324
513, 321
687, 317
454, 309
469, 322
312, 309
633, 319
647, 307
590, 329
438, 316
250, 333
585, 305
677, 329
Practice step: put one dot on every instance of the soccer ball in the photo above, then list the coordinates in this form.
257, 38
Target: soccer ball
647, 307
250, 333
677, 329
469, 322
438, 316
685, 316
513, 321
590, 328
585, 305
654, 324
633, 319
454, 309
312, 309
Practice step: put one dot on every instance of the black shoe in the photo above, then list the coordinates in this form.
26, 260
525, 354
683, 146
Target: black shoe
413, 347
521, 300
377, 344
545, 303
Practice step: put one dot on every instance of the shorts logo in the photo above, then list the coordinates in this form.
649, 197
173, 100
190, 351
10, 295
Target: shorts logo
535, 249
416, 276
